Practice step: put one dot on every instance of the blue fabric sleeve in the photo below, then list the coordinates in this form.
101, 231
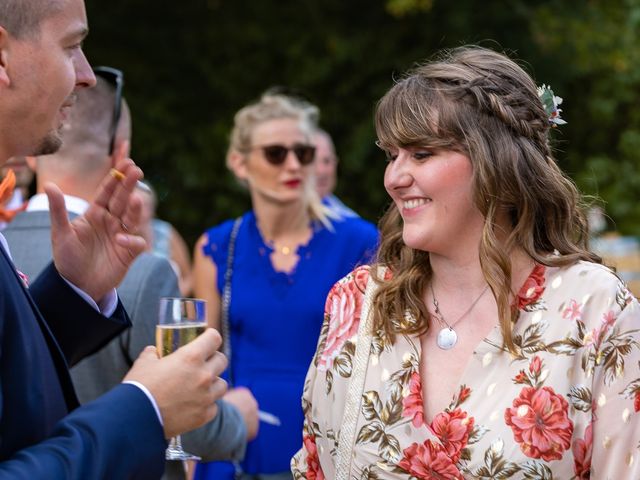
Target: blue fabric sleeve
115, 436
217, 243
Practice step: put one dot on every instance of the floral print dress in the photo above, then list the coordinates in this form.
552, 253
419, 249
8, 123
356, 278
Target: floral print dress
564, 407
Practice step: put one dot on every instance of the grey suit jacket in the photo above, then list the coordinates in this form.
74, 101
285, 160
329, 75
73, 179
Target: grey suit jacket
149, 278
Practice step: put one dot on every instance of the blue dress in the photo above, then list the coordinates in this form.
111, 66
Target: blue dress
275, 321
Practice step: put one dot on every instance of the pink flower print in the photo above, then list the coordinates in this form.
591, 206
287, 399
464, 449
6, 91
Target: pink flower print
582, 450
608, 319
453, 430
573, 311
598, 334
540, 423
314, 472
636, 401
412, 403
535, 366
429, 461
521, 377
464, 394
533, 287
343, 306
388, 274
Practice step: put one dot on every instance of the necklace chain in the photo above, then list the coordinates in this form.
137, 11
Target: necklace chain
438, 313
284, 249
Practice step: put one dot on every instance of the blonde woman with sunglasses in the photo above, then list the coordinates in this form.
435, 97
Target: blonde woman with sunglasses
285, 255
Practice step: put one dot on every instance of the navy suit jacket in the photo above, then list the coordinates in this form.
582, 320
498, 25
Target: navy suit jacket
118, 436
149, 278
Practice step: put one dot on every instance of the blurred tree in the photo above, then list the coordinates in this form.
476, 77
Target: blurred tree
597, 50
190, 66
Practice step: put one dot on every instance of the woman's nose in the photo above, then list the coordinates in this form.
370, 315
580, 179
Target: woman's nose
398, 174
292, 161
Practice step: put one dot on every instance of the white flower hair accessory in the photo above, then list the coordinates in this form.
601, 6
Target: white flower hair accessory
550, 103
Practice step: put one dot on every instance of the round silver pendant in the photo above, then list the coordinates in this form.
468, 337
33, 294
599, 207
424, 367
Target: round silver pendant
447, 338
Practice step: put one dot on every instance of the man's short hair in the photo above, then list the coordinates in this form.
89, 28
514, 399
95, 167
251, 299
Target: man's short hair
91, 118
22, 18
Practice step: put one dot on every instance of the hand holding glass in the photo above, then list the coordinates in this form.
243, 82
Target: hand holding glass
180, 321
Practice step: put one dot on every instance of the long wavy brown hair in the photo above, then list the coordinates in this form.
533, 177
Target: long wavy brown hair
480, 103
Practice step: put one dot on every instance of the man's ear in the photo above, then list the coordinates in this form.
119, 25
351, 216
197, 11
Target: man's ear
237, 163
4, 57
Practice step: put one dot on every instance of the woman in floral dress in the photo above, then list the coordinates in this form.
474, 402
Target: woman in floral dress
488, 341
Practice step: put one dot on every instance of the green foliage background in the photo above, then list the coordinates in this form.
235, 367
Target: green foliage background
190, 65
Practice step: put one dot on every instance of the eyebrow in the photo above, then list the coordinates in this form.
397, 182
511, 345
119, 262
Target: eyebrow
80, 33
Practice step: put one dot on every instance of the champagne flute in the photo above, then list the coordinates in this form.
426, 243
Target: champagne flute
180, 321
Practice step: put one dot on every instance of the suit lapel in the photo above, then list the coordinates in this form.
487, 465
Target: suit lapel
57, 356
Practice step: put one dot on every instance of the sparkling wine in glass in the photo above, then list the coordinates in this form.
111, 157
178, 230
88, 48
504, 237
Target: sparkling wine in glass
180, 321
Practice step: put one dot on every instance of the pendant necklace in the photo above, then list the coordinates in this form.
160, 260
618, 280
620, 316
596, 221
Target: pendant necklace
447, 336
284, 250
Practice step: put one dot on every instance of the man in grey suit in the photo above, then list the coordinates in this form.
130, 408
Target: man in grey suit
78, 168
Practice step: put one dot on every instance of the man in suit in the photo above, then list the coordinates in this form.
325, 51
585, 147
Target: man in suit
71, 309
77, 168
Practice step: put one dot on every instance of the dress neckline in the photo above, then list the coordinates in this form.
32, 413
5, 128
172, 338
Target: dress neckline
526, 299
303, 251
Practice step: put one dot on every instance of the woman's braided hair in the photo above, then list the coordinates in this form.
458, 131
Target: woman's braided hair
480, 103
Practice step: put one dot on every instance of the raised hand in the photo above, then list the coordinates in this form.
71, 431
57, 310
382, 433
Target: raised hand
95, 250
186, 383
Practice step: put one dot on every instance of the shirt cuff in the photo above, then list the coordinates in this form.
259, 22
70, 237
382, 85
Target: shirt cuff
149, 396
107, 305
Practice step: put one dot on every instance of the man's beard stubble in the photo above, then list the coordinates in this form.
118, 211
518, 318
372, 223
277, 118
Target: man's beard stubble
49, 144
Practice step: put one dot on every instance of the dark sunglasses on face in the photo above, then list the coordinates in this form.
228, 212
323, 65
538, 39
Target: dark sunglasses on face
277, 154
115, 77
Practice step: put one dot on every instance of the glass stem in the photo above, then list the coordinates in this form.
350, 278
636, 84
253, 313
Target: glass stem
175, 444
